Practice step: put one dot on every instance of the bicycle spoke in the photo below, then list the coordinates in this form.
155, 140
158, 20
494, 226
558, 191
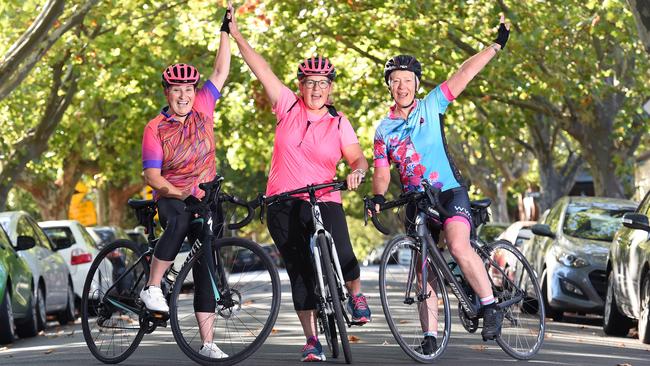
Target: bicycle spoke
523, 324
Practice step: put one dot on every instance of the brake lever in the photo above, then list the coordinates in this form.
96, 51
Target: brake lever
365, 211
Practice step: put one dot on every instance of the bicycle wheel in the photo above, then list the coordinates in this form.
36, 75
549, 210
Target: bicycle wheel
337, 305
407, 316
522, 332
245, 313
327, 324
111, 293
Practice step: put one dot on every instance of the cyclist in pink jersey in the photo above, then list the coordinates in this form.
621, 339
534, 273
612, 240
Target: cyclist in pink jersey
178, 154
311, 137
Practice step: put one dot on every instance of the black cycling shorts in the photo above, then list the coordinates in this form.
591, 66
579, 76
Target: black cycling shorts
291, 227
176, 222
455, 201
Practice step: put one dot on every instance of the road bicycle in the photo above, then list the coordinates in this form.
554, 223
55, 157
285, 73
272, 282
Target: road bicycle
242, 276
331, 290
416, 258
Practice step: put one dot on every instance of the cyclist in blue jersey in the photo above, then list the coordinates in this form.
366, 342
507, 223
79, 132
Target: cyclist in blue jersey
412, 138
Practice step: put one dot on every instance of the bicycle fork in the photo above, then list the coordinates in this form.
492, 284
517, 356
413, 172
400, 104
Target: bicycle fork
316, 252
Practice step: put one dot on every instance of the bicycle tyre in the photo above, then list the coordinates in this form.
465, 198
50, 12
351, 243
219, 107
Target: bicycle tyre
403, 319
516, 339
336, 300
265, 278
328, 325
96, 284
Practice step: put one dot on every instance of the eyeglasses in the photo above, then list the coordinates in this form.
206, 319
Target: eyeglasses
322, 84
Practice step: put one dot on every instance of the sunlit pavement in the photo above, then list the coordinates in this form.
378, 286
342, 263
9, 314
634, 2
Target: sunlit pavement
580, 341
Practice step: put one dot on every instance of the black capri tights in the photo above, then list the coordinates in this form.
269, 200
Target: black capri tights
291, 227
176, 222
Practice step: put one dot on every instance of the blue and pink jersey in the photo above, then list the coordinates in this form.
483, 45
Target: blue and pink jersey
184, 151
307, 148
417, 145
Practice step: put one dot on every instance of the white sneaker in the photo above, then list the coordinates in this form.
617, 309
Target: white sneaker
212, 351
153, 299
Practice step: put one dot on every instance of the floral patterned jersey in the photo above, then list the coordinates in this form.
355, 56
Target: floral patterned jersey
417, 145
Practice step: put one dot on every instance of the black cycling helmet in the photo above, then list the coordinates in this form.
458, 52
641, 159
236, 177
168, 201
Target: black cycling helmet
402, 62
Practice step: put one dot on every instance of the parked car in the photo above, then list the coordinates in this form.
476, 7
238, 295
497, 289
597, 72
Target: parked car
488, 232
109, 234
78, 248
569, 252
628, 275
17, 307
137, 237
517, 233
53, 288
245, 260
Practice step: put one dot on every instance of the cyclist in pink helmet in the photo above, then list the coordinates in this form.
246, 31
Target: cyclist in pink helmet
178, 153
311, 137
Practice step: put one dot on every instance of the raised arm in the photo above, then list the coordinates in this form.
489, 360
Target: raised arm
472, 66
221, 62
259, 66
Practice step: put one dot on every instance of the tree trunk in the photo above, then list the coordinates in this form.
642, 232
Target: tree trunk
117, 197
34, 143
500, 206
556, 178
641, 11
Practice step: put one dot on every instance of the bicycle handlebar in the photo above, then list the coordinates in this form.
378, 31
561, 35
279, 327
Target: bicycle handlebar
337, 185
431, 194
212, 195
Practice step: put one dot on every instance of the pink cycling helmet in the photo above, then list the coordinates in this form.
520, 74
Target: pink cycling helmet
180, 74
316, 66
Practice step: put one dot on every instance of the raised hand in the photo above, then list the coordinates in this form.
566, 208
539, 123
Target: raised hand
503, 33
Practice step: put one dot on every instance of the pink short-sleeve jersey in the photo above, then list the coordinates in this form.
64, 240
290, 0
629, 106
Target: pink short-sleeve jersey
306, 151
184, 152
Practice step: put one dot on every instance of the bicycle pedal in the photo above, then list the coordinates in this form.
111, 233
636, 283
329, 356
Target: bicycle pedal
159, 316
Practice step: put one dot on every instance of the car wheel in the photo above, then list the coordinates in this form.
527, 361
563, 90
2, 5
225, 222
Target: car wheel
614, 323
7, 334
28, 327
644, 318
556, 315
69, 314
40, 308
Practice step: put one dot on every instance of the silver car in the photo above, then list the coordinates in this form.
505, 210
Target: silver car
569, 252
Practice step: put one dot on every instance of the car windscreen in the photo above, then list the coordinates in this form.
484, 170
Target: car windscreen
594, 221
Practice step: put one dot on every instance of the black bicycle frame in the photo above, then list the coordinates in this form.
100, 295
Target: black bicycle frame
428, 245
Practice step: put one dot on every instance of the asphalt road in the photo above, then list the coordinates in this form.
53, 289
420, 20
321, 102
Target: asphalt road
577, 341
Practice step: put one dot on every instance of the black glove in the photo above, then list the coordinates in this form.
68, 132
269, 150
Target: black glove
502, 36
191, 201
226, 21
378, 199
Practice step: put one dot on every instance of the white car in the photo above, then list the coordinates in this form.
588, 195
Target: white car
53, 289
78, 248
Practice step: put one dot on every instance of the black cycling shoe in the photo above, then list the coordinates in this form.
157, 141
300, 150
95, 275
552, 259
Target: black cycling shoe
428, 346
492, 319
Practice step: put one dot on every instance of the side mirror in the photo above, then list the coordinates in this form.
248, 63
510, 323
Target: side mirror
542, 230
636, 221
25, 242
